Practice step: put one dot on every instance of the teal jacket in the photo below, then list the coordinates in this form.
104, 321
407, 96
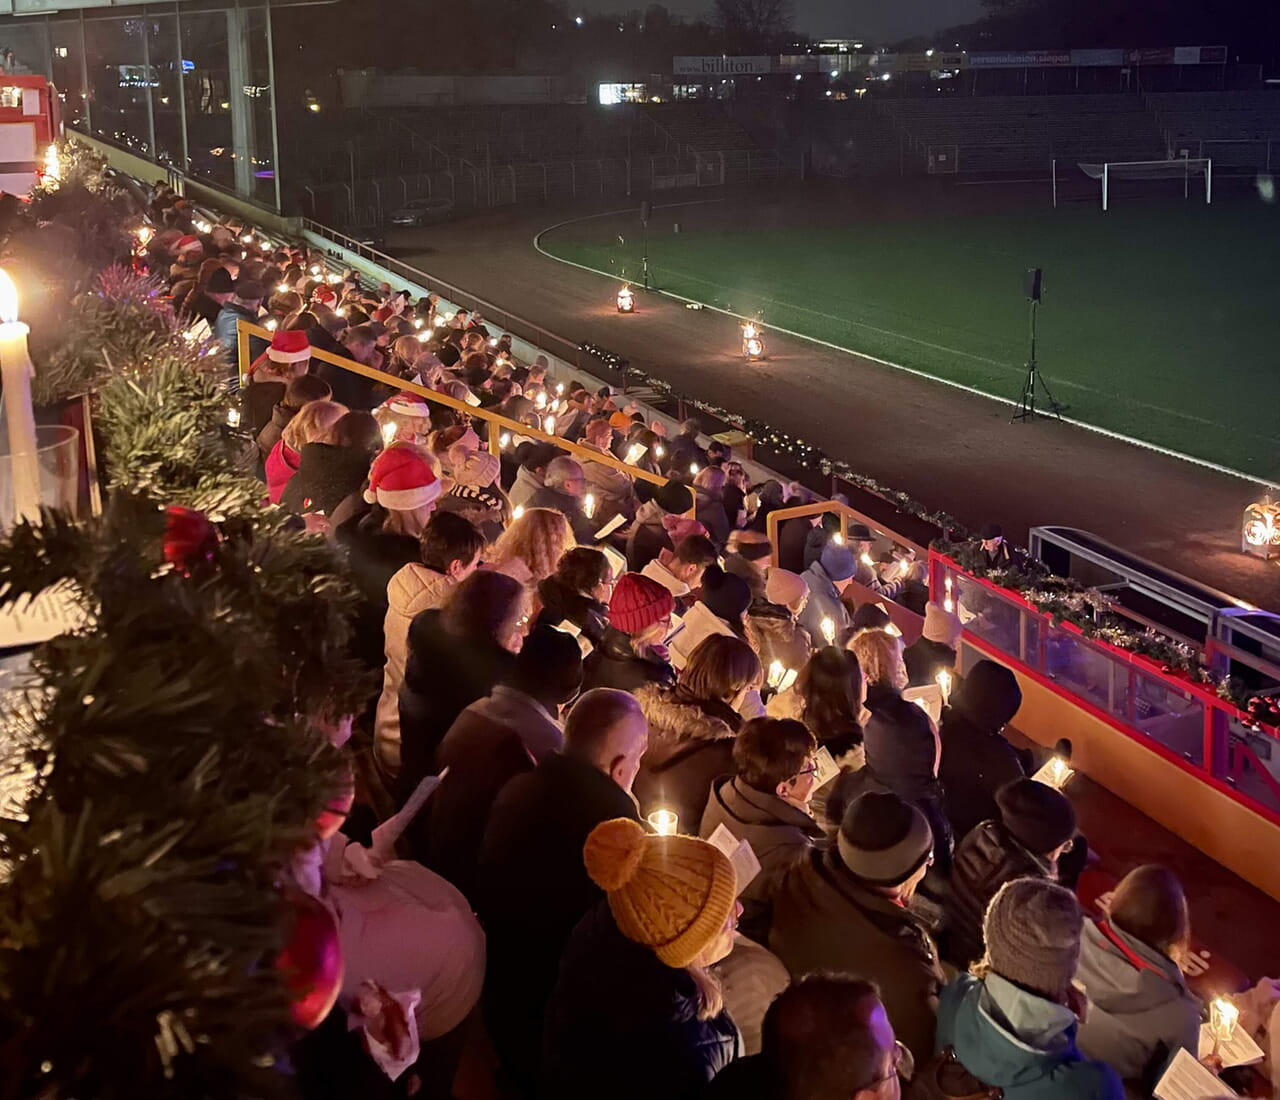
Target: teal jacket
1011, 1039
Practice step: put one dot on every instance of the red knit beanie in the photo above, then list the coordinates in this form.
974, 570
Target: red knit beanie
638, 603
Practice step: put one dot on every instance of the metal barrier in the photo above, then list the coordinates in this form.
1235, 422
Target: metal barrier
1168, 745
496, 421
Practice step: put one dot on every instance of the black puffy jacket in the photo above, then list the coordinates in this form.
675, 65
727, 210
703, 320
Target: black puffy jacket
986, 859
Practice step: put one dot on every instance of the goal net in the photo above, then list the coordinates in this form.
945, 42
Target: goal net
1189, 177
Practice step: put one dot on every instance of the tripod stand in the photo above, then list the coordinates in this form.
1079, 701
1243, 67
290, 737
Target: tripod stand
1034, 380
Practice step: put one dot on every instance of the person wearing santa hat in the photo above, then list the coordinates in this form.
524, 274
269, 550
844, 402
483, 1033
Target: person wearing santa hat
288, 357
188, 255
405, 418
404, 488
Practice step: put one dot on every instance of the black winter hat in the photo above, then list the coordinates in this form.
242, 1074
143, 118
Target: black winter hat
674, 498
219, 281
869, 616
882, 839
1039, 817
989, 696
726, 595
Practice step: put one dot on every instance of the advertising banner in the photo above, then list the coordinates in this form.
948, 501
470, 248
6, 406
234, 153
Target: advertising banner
1018, 59
1097, 58
721, 66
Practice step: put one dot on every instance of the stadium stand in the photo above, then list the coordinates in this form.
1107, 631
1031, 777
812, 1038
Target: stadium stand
1237, 129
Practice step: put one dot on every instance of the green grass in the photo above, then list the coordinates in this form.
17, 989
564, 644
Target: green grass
1161, 322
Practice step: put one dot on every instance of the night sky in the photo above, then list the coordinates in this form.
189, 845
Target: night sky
875, 20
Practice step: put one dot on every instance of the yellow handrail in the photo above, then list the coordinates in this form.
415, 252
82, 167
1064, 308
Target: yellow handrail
496, 421
844, 511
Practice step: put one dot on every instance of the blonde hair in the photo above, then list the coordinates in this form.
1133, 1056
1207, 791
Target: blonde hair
710, 478
709, 995
313, 423
879, 656
539, 538
407, 348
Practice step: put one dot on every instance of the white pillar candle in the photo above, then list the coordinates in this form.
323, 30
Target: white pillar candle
15, 364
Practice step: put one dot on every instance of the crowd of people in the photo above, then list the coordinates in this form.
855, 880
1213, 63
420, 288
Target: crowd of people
669, 819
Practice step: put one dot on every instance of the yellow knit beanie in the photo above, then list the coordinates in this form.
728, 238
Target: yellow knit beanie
670, 893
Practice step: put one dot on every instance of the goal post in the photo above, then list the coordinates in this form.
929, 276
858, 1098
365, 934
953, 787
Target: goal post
1189, 170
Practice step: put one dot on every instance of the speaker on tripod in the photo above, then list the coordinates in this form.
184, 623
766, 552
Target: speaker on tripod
1033, 382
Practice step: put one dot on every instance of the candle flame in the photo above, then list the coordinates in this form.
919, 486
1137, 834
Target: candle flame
8, 298
589, 505
829, 630
388, 432
517, 511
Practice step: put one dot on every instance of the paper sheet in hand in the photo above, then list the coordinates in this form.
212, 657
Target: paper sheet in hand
929, 697
28, 621
698, 624
616, 561
740, 854
1187, 1079
828, 769
1240, 1051
609, 528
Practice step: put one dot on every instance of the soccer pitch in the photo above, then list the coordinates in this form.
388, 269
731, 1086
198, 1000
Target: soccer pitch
1159, 321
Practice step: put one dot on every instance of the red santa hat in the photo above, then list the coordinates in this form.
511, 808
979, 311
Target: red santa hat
409, 404
324, 295
289, 346
382, 315
401, 480
188, 242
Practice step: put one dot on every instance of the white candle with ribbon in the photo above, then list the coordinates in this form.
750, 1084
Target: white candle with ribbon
15, 364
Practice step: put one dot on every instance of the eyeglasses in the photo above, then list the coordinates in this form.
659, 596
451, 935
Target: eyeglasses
812, 769
901, 1056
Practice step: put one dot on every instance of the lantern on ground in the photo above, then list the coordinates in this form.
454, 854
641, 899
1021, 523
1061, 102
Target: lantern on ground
1260, 530
752, 341
626, 300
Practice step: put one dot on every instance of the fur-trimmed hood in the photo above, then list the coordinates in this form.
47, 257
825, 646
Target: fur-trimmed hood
674, 720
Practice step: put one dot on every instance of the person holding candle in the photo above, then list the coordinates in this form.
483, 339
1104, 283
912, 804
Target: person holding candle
614, 492
648, 536
772, 629
578, 593
1140, 1009
827, 578
636, 1013
692, 728
977, 760
335, 467
532, 546
564, 487
314, 421
708, 489
244, 305
299, 392
935, 650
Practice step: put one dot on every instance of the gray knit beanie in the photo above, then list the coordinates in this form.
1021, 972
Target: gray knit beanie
1032, 929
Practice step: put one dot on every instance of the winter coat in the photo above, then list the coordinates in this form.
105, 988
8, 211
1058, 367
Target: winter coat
709, 511
349, 388
443, 675
281, 465
925, 659
613, 491
648, 538
584, 529
226, 332
734, 501
985, 860
526, 484
792, 536
407, 929
750, 978
1139, 1013
1012, 1040
623, 1024
690, 746
615, 664
413, 589
492, 741
824, 603
270, 435
202, 307
779, 834
826, 919
977, 761
257, 403
533, 888
752, 1078
683, 451
560, 604
774, 634
327, 475
901, 754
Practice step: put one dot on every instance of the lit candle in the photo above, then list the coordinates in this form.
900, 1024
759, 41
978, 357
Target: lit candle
247, 239
559, 387
233, 418
829, 630
517, 511
776, 672
540, 401
550, 426
17, 370
283, 288
589, 505
866, 560
838, 538
315, 269
1059, 772
504, 440
664, 822
659, 451
948, 603
693, 469
1223, 1017
389, 430
144, 233
944, 682
417, 323
892, 630
271, 325
634, 453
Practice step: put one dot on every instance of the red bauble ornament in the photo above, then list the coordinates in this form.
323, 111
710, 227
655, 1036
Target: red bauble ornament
311, 962
189, 538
